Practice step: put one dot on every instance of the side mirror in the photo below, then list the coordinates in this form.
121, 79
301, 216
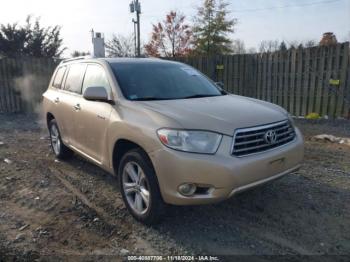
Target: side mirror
220, 84
96, 93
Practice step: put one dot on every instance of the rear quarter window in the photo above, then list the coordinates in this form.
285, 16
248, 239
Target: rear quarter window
57, 82
75, 78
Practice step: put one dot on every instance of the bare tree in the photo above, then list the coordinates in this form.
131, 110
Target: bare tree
268, 46
238, 46
304, 44
77, 53
120, 46
310, 43
293, 44
251, 50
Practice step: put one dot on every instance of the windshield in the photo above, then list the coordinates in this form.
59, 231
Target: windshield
162, 81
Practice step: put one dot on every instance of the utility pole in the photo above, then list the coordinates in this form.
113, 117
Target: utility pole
135, 6
135, 35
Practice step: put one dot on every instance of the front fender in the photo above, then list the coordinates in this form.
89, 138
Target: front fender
138, 124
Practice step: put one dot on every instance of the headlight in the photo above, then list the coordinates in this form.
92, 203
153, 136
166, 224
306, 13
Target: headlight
204, 142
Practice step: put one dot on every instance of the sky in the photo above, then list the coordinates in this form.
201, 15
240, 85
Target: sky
258, 20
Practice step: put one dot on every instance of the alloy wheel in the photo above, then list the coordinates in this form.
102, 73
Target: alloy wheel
55, 139
136, 188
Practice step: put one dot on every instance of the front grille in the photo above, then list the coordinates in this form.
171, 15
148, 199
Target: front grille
258, 139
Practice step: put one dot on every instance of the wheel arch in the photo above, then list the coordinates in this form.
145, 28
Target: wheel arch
49, 117
121, 146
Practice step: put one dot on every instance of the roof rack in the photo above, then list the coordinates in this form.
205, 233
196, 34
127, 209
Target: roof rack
75, 58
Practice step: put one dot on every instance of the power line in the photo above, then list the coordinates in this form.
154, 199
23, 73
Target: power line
285, 6
153, 15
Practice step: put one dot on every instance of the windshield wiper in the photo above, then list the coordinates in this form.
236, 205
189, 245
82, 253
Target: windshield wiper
223, 92
149, 98
154, 98
198, 96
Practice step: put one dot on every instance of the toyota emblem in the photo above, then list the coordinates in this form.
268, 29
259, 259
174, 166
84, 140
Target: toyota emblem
270, 137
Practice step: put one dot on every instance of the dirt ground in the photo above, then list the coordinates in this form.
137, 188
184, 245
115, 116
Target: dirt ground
73, 210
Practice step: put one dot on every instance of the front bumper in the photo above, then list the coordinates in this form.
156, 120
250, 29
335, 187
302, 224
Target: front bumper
223, 173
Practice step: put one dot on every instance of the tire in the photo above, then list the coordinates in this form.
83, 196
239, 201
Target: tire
60, 150
134, 188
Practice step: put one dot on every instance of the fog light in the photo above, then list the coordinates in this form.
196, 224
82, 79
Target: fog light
187, 189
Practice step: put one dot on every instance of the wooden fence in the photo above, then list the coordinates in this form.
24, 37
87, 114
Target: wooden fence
23, 80
298, 80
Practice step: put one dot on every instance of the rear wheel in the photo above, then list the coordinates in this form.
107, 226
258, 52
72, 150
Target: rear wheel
139, 187
59, 149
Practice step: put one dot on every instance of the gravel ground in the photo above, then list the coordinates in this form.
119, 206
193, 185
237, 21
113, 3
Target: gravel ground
73, 210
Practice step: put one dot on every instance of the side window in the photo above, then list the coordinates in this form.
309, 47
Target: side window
59, 77
75, 78
95, 76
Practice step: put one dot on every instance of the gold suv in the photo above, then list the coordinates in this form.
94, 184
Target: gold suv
169, 133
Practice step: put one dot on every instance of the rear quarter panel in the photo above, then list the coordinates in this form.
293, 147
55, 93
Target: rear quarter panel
48, 102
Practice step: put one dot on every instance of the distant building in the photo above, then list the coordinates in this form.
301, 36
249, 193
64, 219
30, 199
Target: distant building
98, 44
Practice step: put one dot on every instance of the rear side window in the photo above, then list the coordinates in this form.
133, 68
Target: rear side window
59, 77
75, 78
95, 76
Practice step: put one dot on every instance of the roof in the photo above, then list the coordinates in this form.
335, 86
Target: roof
135, 60
118, 60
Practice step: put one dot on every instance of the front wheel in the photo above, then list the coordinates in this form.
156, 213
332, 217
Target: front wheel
139, 187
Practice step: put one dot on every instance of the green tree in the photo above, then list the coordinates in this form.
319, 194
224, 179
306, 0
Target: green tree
211, 28
283, 46
31, 40
12, 39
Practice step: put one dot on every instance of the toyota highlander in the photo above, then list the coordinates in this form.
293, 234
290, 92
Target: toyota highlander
169, 133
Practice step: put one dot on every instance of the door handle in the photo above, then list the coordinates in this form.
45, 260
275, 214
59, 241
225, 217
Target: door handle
101, 117
77, 107
57, 100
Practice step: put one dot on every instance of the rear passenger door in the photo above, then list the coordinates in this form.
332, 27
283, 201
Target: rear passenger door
93, 118
69, 102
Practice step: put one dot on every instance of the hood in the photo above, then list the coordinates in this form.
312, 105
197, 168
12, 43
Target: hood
221, 114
